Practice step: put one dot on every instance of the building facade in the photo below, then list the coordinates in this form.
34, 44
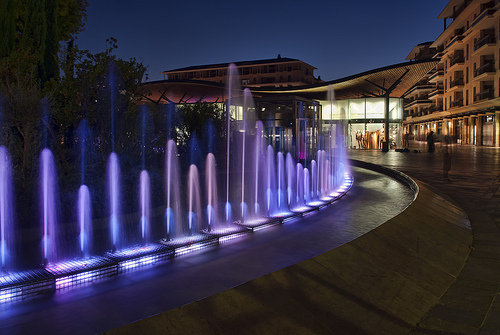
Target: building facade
460, 98
277, 72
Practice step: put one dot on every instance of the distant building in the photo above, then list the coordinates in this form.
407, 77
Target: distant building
460, 98
277, 72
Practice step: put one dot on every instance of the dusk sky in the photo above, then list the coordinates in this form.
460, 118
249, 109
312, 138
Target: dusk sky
339, 38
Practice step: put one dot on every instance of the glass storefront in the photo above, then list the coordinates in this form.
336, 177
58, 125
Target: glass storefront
365, 119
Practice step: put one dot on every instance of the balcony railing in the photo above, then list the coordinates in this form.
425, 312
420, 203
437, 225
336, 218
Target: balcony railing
457, 103
436, 92
455, 39
486, 13
438, 108
487, 39
457, 82
487, 67
486, 94
457, 60
436, 74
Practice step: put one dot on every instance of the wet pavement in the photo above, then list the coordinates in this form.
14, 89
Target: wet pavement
118, 301
472, 304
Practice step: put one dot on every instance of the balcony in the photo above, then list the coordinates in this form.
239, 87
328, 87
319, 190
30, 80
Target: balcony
484, 95
436, 94
454, 42
459, 59
436, 76
457, 83
485, 40
436, 108
457, 103
421, 88
484, 72
483, 17
418, 102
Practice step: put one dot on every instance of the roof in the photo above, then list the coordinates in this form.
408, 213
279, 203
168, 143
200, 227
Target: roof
417, 49
448, 9
402, 76
238, 64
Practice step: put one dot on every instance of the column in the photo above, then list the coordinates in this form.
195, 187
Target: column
465, 130
479, 130
496, 129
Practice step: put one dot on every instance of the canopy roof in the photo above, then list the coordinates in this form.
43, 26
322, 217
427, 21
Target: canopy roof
398, 79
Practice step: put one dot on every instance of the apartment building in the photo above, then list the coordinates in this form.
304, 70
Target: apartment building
277, 72
460, 98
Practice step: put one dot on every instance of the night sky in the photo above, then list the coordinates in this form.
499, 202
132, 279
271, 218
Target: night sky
340, 38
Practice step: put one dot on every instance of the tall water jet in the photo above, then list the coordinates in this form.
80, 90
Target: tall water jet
211, 191
6, 210
243, 205
307, 186
114, 198
270, 181
49, 208
300, 184
314, 180
259, 139
112, 96
172, 217
194, 200
290, 178
143, 136
232, 89
281, 187
85, 146
85, 220
145, 198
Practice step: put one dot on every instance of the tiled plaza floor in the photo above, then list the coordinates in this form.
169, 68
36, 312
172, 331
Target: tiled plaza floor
472, 304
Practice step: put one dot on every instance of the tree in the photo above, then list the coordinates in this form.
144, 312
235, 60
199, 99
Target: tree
195, 120
29, 69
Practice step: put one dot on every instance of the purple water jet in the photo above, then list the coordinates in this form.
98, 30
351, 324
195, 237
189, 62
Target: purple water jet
6, 210
49, 208
145, 198
211, 191
194, 200
172, 185
85, 220
114, 198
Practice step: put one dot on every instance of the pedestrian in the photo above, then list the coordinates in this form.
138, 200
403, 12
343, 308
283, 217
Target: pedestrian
430, 141
406, 140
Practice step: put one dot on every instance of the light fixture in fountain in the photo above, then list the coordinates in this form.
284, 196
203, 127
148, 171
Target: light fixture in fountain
139, 256
81, 271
